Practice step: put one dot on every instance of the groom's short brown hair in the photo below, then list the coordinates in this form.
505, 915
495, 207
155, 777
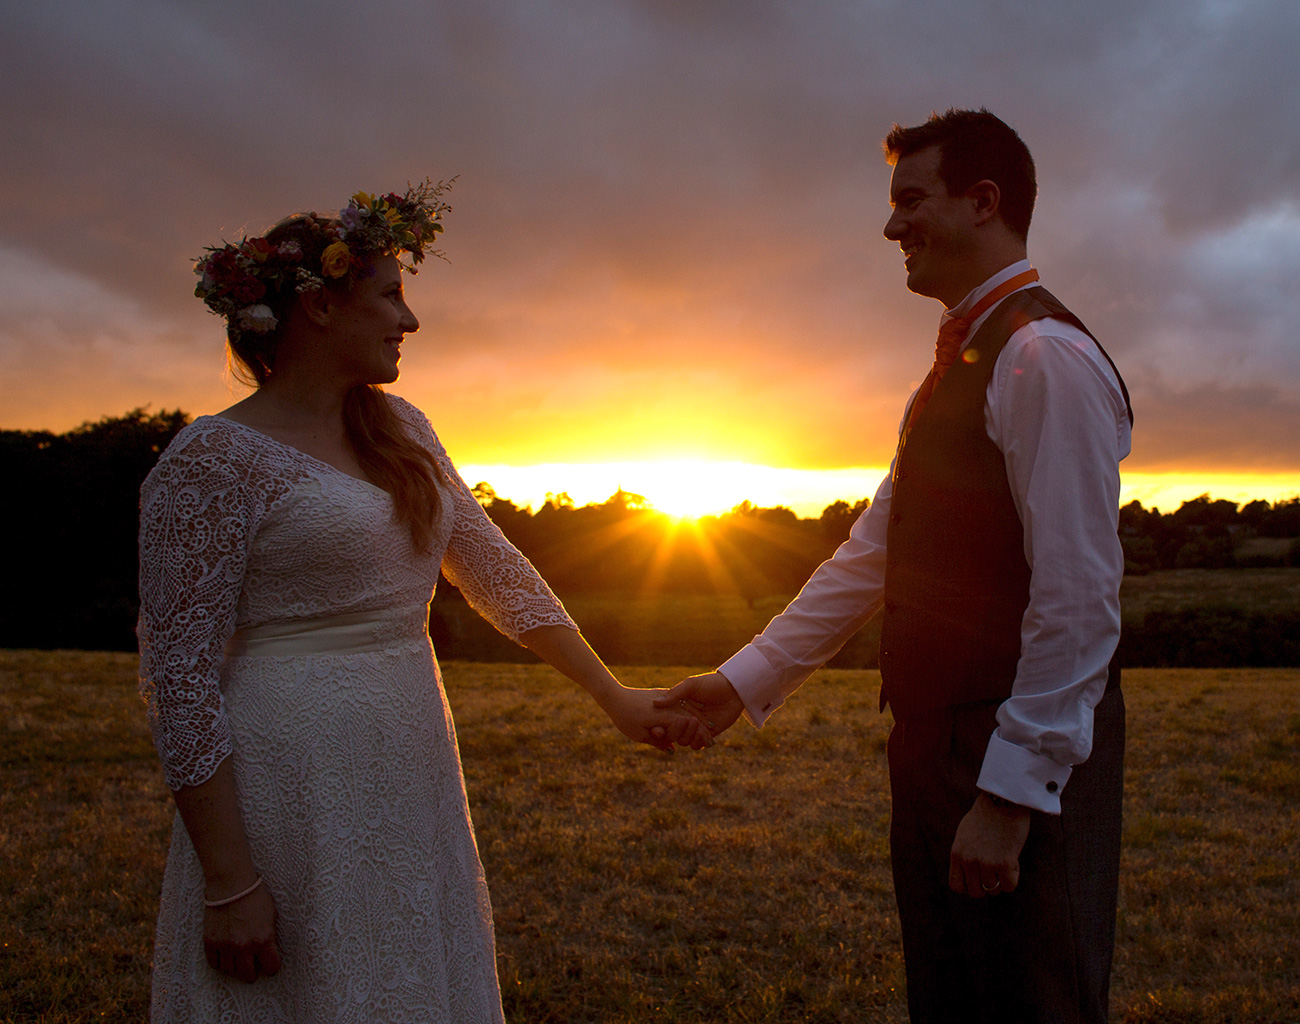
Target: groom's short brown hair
974, 146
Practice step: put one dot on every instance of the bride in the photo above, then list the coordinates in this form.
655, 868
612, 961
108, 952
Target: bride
323, 867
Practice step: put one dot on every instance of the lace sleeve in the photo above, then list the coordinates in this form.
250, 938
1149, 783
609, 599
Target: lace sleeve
195, 522
497, 580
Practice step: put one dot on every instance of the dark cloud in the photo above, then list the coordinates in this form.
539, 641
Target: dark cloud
657, 197
1213, 426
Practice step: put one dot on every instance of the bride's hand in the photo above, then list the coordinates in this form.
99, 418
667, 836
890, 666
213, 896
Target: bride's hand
636, 716
239, 938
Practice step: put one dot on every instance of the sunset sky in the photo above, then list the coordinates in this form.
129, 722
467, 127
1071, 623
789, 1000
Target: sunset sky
666, 237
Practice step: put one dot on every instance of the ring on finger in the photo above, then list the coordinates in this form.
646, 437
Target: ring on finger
992, 888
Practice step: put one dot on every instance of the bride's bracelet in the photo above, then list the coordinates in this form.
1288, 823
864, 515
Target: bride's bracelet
231, 899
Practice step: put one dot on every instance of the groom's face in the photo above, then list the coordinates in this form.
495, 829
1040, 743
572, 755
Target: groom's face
935, 230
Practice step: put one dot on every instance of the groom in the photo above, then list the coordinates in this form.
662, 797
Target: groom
992, 548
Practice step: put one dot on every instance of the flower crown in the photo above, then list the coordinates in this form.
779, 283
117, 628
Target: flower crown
234, 278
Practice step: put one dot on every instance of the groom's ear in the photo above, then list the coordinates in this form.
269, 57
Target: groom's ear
986, 200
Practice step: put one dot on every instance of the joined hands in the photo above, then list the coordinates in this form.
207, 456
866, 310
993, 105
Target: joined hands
710, 697
691, 714
642, 715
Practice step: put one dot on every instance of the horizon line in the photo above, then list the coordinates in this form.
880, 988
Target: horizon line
712, 487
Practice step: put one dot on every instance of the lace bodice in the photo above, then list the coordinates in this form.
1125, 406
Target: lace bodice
238, 530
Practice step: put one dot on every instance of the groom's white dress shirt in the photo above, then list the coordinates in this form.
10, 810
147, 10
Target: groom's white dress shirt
1055, 410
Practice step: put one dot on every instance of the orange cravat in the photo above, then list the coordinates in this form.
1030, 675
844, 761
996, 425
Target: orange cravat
952, 332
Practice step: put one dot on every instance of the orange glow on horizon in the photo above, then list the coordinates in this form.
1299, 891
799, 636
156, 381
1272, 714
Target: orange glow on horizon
1167, 491
685, 488
690, 488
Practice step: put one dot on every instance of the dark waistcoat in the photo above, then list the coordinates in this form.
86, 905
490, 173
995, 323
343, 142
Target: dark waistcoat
956, 579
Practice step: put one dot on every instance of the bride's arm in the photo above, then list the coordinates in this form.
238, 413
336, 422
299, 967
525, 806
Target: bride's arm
632, 710
196, 515
501, 585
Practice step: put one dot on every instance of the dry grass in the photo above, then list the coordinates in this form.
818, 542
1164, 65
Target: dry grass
746, 884
85, 824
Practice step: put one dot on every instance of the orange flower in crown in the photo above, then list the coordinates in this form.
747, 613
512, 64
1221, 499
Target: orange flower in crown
336, 260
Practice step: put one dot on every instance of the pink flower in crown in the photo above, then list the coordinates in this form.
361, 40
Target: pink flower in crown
290, 250
258, 248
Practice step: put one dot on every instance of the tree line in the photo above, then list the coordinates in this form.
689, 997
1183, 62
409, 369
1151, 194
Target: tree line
70, 564
1209, 533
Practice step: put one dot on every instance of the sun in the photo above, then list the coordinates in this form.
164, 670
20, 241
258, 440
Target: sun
683, 487
689, 488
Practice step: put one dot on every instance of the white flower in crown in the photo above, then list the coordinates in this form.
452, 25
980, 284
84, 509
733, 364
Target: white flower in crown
258, 318
307, 281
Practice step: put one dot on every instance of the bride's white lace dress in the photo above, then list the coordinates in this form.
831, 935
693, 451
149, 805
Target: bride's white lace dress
282, 625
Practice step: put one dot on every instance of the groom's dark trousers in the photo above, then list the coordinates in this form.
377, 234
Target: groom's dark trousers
1038, 955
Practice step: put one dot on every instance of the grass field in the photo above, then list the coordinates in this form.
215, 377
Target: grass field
749, 883
1255, 590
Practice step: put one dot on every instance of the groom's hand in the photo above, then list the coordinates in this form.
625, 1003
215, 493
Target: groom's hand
985, 857
709, 696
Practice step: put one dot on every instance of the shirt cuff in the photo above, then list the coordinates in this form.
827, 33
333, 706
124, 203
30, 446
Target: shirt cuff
1023, 777
754, 681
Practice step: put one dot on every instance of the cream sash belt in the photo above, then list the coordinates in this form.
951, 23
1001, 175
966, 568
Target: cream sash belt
354, 633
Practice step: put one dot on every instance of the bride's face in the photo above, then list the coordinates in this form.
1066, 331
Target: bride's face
370, 321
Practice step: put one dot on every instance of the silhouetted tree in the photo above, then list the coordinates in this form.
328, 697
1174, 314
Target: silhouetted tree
1284, 519
71, 523
837, 520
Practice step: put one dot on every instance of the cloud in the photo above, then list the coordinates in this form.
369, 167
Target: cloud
67, 341
664, 206
1220, 427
